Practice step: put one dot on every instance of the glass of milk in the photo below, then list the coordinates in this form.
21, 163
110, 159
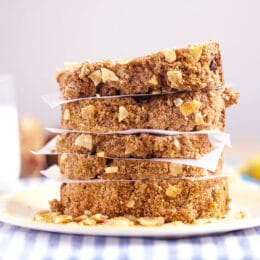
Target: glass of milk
9, 135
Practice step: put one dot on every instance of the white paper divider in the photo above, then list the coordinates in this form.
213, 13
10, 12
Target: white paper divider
208, 161
54, 99
214, 135
54, 173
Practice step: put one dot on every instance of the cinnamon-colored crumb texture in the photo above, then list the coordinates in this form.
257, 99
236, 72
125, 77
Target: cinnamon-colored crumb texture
183, 111
175, 200
81, 167
191, 68
135, 145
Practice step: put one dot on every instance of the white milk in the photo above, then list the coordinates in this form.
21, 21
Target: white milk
9, 147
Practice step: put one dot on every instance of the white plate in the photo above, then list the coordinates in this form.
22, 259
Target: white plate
18, 208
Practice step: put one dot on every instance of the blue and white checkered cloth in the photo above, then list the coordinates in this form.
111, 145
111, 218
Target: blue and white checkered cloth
20, 243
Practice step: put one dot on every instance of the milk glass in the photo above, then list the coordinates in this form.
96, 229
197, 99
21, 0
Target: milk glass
9, 135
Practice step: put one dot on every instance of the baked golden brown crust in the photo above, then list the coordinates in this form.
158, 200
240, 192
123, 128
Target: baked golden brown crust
81, 167
184, 200
183, 111
135, 145
191, 68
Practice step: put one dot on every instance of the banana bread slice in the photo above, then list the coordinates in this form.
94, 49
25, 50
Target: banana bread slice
190, 68
183, 111
135, 145
81, 167
176, 200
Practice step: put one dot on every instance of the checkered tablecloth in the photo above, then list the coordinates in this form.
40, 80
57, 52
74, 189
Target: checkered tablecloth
20, 243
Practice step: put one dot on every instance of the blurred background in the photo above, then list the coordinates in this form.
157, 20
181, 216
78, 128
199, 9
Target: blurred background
39, 36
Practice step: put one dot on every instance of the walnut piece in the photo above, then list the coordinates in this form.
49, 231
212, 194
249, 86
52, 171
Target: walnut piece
175, 169
199, 119
173, 191
120, 221
177, 144
153, 80
178, 102
46, 216
205, 172
61, 219
79, 218
101, 154
169, 55
88, 221
84, 140
66, 114
174, 77
108, 75
96, 77
88, 112
130, 204
84, 71
196, 52
151, 221
190, 107
157, 91
123, 113
112, 169
99, 218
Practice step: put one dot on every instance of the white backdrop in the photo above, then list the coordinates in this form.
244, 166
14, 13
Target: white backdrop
38, 36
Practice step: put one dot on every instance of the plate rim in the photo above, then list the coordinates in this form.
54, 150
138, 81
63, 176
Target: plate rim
138, 231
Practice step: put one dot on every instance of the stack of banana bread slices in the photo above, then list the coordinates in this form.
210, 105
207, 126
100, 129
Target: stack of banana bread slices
118, 169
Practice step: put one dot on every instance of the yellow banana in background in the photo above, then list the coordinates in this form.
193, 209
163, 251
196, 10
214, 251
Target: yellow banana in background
252, 167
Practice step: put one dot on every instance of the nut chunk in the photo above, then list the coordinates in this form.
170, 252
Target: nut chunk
84, 71
130, 204
175, 78
112, 169
108, 75
123, 113
178, 102
196, 52
173, 191
84, 141
169, 55
151, 221
61, 219
66, 114
96, 77
199, 119
190, 107
153, 80
88, 112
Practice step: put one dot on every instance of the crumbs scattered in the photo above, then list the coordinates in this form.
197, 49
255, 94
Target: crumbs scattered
56, 217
